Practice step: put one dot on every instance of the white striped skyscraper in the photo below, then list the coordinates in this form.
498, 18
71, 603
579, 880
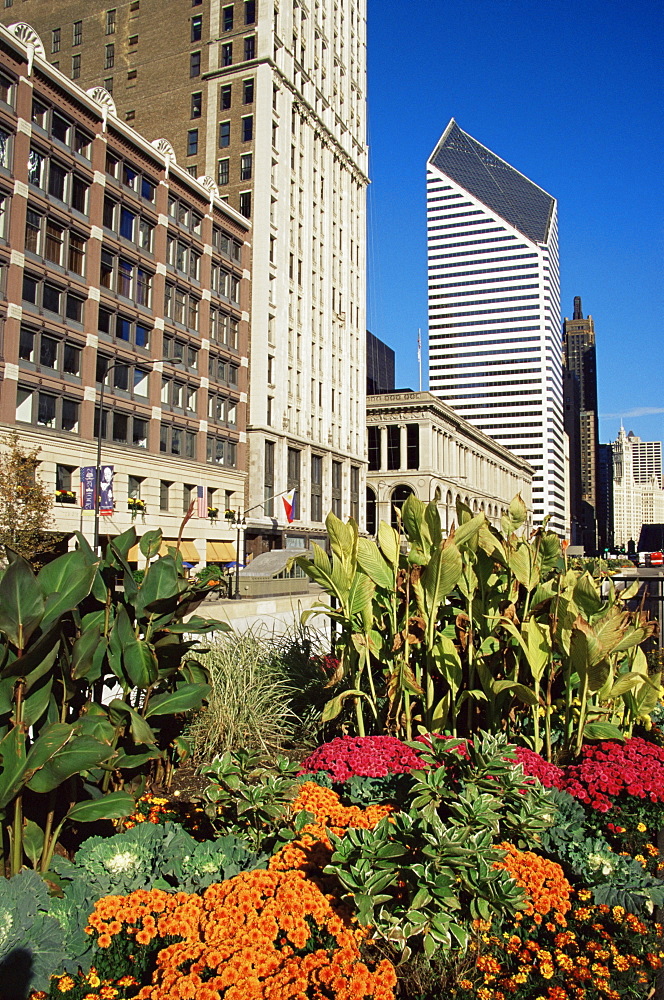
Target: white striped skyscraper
495, 346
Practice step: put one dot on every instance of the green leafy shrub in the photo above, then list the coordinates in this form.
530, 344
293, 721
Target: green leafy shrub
424, 873
248, 798
79, 625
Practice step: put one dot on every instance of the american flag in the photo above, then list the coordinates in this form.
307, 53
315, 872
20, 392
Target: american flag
201, 508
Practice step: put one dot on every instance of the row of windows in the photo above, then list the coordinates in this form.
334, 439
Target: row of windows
486, 270
438, 351
481, 364
224, 328
494, 350
44, 350
515, 371
441, 241
473, 253
130, 177
246, 169
61, 128
127, 223
77, 35
488, 281
126, 278
45, 409
481, 312
485, 302
441, 311
227, 15
226, 94
222, 409
181, 306
448, 213
124, 328
249, 53
498, 385
486, 291
246, 131
54, 242
482, 322
48, 297
505, 392
58, 180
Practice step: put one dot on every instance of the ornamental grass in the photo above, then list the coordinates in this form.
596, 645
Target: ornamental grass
262, 934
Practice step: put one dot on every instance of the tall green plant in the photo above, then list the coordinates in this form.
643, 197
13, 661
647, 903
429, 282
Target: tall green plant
80, 624
481, 629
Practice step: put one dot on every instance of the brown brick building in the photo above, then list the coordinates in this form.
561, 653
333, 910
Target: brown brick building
117, 265
268, 99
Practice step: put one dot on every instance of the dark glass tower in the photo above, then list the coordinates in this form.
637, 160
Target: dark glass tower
579, 360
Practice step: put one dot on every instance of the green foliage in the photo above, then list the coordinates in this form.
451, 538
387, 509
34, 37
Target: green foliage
248, 798
26, 506
486, 629
613, 878
32, 942
249, 701
78, 625
163, 856
425, 872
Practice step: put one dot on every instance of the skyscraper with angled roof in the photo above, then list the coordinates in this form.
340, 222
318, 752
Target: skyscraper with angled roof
495, 347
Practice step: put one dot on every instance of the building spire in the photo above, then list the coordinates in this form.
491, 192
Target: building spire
578, 311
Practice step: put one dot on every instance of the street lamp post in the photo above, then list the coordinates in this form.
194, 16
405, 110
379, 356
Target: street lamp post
109, 368
240, 525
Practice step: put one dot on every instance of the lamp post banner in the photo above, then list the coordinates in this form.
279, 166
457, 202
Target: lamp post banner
88, 482
106, 504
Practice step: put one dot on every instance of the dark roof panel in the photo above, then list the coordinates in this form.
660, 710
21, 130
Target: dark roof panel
500, 187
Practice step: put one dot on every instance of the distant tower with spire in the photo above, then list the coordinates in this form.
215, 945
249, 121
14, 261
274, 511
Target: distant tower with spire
581, 424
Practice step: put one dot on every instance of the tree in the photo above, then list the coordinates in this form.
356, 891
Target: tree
25, 503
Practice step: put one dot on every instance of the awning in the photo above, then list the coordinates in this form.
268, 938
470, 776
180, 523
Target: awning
220, 552
188, 551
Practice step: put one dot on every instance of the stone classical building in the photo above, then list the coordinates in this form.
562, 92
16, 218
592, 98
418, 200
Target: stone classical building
638, 497
418, 444
118, 270
268, 99
494, 308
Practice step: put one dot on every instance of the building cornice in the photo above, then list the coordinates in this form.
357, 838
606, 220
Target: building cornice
419, 403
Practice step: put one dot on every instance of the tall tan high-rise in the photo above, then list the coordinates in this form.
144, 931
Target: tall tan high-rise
268, 101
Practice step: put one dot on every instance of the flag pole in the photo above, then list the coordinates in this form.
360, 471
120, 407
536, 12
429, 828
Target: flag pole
419, 354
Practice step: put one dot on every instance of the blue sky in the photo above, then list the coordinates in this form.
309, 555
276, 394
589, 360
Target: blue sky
570, 93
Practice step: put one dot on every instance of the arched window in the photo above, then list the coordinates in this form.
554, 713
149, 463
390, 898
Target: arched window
372, 524
399, 496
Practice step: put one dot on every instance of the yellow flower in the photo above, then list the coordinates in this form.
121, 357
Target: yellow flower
641, 827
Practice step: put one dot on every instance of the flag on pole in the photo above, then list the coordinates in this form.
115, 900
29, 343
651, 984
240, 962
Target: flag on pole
201, 507
289, 505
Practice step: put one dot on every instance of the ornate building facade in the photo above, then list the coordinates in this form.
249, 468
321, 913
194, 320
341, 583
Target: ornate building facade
418, 444
119, 274
269, 100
